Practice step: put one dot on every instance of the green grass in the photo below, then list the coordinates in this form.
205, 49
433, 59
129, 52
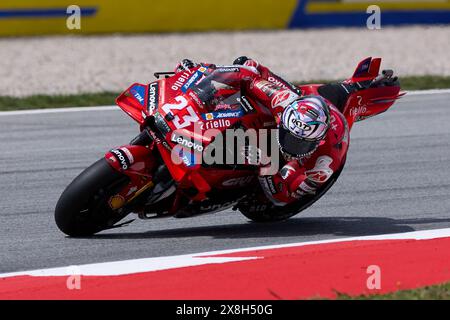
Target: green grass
57, 101
107, 98
438, 292
425, 83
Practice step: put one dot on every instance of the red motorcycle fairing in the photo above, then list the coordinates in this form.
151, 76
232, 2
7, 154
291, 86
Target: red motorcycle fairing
365, 103
178, 113
130, 159
138, 164
372, 101
135, 101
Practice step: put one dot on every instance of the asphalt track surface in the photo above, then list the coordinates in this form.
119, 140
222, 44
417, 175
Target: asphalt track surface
397, 179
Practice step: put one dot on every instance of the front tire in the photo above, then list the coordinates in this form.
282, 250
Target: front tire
82, 209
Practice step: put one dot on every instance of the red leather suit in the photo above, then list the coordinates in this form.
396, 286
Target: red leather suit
295, 178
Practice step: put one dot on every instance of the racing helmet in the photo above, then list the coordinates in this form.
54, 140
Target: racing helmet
303, 125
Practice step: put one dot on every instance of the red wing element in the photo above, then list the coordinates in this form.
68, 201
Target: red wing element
367, 69
374, 69
134, 101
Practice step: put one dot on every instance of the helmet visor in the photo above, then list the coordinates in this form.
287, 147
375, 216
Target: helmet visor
295, 146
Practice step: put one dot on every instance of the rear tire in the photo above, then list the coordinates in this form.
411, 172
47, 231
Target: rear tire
82, 209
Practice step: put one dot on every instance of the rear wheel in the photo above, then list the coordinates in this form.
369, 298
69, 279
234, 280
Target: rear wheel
83, 209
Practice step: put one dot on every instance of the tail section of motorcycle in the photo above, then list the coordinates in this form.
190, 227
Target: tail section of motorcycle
373, 93
378, 92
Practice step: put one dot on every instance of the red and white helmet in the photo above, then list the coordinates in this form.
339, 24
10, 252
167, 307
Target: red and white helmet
304, 123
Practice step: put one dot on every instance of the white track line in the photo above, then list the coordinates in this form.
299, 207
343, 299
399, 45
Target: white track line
128, 266
427, 92
189, 260
116, 108
59, 110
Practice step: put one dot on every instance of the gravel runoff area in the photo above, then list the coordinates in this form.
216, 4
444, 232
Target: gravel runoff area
80, 64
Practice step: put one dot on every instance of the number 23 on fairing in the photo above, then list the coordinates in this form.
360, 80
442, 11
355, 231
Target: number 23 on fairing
187, 119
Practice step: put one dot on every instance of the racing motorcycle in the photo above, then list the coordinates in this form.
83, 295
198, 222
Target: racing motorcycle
145, 178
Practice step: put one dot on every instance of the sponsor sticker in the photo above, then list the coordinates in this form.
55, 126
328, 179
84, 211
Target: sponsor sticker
124, 157
138, 92
228, 69
116, 202
181, 80
153, 97
267, 87
187, 157
194, 79
363, 67
215, 124
128, 154
356, 111
246, 105
223, 114
268, 185
186, 142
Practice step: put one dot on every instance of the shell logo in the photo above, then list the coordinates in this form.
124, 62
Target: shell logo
116, 202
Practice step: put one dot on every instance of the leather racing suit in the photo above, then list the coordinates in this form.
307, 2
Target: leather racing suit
300, 177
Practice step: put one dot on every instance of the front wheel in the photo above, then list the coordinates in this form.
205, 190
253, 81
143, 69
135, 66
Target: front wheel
83, 209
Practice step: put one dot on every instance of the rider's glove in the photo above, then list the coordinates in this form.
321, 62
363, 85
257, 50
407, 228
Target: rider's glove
246, 61
241, 60
186, 64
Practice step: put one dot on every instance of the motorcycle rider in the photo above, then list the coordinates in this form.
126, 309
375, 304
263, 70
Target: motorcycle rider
313, 135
